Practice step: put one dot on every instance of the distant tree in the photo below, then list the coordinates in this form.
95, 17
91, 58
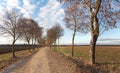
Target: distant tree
29, 30
54, 33
51, 36
42, 41
36, 31
75, 20
9, 26
103, 15
59, 31
25, 30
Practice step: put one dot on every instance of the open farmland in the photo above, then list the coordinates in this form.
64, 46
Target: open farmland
8, 48
104, 54
59, 36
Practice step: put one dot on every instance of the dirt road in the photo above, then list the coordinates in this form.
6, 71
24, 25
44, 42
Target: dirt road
46, 61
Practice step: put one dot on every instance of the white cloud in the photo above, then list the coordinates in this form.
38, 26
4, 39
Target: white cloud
50, 14
28, 6
12, 3
5, 40
1, 10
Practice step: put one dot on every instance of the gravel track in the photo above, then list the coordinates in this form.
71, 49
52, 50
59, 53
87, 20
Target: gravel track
45, 61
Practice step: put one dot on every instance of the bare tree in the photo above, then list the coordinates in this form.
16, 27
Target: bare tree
29, 30
42, 41
37, 33
102, 16
24, 26
25, 30
75, 20
54, 33
51, 36
9, 26
59, 31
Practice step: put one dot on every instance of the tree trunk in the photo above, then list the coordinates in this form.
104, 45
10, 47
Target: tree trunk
94, 27
29, 46
13, 50
32, 43
58, 43
72, 50
54, 45
92, 49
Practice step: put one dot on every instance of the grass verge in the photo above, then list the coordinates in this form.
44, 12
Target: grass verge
6, 59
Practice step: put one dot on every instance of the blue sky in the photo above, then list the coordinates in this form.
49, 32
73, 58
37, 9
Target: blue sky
49, 12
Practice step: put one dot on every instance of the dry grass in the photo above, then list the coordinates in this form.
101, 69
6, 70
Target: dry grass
107, 58
104, 54
6, 59
8, 56
108, 54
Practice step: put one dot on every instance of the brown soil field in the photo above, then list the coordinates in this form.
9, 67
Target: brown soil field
107, 58
104, 54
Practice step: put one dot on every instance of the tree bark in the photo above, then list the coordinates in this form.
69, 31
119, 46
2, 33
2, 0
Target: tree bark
13, 50
58, 43
29, 46
94, 27
72, 50
54, 45
92, 49
32, 43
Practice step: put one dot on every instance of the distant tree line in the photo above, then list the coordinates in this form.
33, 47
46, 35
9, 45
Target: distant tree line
54, 34
13, 24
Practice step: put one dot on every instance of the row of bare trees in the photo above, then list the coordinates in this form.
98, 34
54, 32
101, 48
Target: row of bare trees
14, 25
54, 34
29, 30
95, 16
